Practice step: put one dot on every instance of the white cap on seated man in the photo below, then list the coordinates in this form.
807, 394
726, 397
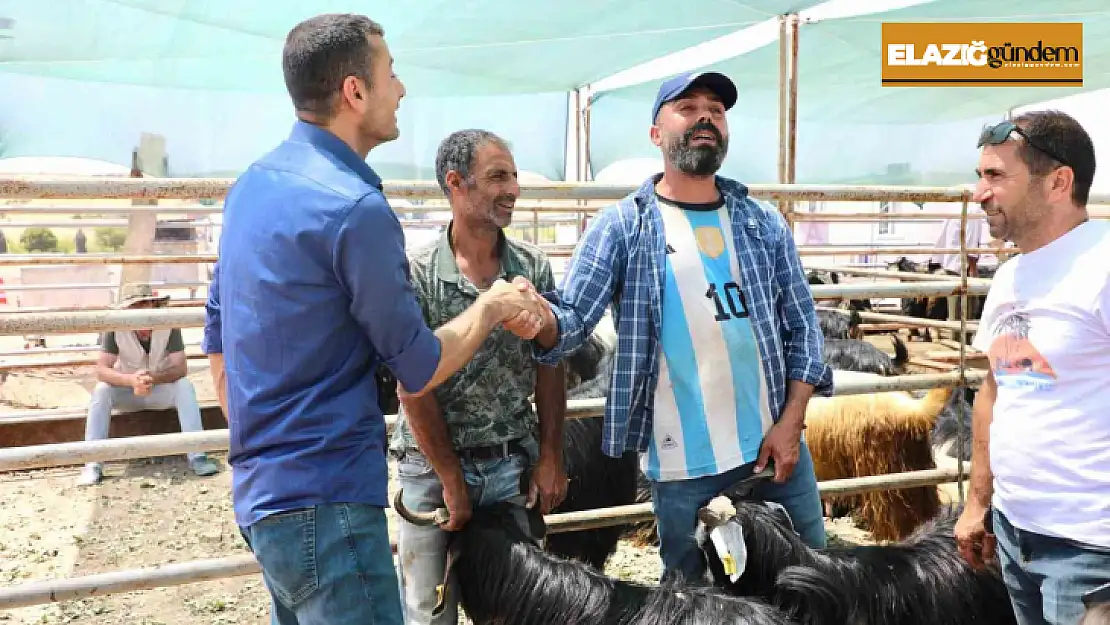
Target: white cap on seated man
142, 370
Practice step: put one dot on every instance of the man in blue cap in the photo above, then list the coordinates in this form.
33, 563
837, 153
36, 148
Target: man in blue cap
719, 350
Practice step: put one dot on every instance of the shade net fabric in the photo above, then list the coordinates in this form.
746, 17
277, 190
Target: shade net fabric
850, 129
468, 47
85, 77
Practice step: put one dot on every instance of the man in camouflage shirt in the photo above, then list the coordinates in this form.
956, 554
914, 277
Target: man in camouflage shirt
469, 442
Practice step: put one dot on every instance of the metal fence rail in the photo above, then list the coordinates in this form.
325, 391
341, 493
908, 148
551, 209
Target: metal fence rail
88, 321
155, 445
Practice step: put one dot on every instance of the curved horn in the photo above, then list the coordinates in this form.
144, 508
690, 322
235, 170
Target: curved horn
438, 516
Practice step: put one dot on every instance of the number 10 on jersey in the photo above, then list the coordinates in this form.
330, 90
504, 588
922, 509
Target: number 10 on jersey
737, 303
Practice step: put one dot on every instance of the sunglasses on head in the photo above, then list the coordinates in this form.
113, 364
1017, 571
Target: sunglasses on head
1000, 132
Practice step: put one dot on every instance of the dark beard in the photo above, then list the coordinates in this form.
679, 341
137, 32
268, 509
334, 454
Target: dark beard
699, 160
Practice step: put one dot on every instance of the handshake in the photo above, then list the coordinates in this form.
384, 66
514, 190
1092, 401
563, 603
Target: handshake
519, 307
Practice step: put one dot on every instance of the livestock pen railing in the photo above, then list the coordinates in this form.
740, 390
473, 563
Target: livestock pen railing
60, 322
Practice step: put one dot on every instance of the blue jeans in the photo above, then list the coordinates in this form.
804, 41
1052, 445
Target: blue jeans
423, 550
328, 565
677, 503
1047, 576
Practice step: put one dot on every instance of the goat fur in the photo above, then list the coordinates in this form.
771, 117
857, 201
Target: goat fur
859, 355
504, 578
596, 481
838, 324
945, 432
922, 580
876, 434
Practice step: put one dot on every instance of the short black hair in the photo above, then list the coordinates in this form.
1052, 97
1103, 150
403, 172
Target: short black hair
458, 150
1062, 135
320, 53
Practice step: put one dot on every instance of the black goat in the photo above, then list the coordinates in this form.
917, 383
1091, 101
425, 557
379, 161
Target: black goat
840, 325
944, 430
858, 355
596, 481
913, 306
505, 577
831, 277
920, 581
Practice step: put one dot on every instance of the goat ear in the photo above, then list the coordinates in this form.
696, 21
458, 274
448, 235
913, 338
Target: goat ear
778, 510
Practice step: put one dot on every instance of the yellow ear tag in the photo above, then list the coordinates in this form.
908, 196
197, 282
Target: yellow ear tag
729, 563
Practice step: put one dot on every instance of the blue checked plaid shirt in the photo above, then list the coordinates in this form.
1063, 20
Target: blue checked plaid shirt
620, 261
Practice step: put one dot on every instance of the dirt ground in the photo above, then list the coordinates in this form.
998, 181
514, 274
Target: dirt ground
154, 512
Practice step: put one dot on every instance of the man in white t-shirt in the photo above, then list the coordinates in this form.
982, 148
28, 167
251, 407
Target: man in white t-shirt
1040, 476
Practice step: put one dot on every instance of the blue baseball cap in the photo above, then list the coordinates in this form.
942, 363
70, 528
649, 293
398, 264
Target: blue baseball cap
674, 87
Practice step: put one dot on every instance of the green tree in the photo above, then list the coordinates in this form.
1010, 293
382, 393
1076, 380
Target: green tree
39, 240
110, 238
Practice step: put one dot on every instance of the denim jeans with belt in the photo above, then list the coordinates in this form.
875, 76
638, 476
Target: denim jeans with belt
1047, 576
423, 550
328, 565
677, 504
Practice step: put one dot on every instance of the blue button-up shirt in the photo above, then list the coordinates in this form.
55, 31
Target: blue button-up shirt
620, 261
310, 294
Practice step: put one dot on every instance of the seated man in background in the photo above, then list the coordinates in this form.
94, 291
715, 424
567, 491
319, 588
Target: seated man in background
142, 370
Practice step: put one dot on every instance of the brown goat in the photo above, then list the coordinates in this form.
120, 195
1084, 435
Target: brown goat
874, 434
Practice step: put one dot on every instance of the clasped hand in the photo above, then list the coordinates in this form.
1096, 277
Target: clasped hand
519, 307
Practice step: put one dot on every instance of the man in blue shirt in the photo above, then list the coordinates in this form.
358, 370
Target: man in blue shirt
719, 350
310, 294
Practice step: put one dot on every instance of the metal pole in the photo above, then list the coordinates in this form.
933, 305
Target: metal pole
963, 347
88, 321
792, 117
784, 50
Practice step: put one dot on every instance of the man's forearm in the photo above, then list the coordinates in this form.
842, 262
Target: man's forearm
170, 374
982, 413
459, 339
551, 407
548, 337
425, 419
219, 379
798, 394
109, 375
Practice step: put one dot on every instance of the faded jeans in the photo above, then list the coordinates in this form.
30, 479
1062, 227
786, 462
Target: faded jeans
1047, 576
328, 565
179, 394
423, 550
677, 504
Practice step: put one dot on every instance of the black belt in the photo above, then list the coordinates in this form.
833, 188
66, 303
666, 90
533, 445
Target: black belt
491, 452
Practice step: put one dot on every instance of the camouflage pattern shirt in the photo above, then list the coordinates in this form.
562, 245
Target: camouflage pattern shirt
487, 401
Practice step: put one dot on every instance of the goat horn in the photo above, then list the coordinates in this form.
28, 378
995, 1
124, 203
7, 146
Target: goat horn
438, 516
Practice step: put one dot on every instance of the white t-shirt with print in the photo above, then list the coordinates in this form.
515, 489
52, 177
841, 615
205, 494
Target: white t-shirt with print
1046, 328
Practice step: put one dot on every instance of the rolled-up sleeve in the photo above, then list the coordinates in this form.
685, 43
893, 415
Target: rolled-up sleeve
802, 340
369, 259
213, 326
594, 270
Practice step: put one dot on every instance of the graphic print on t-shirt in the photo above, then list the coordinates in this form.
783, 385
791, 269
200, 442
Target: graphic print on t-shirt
1014, 358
